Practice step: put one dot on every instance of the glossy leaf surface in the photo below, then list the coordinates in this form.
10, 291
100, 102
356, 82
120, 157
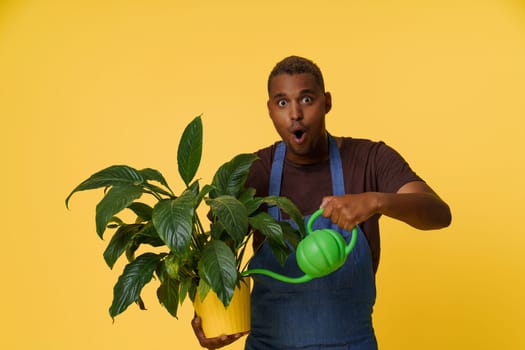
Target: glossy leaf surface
288, 207
231, 214
231, 176
218, 268
120, 242
265, 224
115, 200
113, 176
190, 150
168, 293
173, 220
129, 285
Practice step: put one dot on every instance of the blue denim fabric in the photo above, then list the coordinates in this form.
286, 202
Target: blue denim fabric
332, 312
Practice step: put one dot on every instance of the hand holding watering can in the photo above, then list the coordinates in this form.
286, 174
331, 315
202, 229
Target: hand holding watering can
320, 253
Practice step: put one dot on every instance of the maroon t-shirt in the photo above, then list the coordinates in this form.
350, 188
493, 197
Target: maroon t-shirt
367, 167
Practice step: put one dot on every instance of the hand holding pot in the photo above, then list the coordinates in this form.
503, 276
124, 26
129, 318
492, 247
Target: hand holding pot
216, 342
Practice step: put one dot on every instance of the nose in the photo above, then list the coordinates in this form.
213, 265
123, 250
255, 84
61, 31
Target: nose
296, 111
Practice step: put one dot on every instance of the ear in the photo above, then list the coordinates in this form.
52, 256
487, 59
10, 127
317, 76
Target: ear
327, 102
268, 107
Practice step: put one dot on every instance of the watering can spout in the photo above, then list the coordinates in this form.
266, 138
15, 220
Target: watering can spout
320, 253
275, 275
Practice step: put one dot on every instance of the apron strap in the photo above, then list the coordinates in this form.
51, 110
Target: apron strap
336, 169
276, 177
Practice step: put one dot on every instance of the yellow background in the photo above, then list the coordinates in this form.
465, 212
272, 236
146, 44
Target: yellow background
87, 84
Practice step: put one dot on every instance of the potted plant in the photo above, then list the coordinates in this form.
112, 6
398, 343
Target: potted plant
189, 258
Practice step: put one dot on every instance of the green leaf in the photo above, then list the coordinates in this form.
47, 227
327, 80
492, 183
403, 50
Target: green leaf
112, 176
231, 176
205, 190
119, 242
279, 251
252, 203
217, 230
217, 267
247, 194
190, 150
168, 293
288, 207
140, 303
185, 286
266, 224
129, 285
143, 211
192, 291
154, 175
279, 235
115, 200
172, 265
291, 235
157, 189
173, 220
231, 214
203, 288
148, 235
116, 220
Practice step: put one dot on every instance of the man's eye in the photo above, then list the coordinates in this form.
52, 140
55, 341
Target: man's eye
307, 99
282, 103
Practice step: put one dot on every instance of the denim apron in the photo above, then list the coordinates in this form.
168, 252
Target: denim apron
332, 312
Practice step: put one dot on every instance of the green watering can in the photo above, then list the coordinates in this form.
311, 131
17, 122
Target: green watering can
320, 253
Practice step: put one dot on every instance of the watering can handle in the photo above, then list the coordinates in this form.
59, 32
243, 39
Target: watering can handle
314, 217
318, 213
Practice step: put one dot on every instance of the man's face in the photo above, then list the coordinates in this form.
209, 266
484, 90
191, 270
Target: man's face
297, 107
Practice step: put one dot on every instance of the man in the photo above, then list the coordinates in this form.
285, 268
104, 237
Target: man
355, 181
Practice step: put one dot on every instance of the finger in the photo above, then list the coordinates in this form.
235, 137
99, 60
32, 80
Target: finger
328, 210
196, 323
220, 341
348, 226
325, 201
215, 342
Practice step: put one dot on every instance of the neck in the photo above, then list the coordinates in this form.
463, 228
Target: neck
318, 153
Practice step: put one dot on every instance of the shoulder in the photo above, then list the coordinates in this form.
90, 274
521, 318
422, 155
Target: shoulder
359, 147
259, 174
264, 158
378, 164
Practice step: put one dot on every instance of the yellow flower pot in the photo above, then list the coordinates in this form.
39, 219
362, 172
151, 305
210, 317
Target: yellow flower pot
217, 319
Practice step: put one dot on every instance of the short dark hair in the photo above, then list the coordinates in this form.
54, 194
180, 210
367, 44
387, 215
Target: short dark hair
296, 65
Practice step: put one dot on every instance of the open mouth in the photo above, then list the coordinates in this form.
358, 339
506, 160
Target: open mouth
298, 134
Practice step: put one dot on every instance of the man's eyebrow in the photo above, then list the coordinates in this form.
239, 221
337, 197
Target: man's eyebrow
307, 91
278, 95
302, 92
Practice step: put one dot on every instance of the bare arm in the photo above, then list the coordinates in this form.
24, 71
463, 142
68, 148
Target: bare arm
415, 204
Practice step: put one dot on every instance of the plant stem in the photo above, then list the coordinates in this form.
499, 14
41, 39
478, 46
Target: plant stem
154, 194
197, 231
199, 223
242, 249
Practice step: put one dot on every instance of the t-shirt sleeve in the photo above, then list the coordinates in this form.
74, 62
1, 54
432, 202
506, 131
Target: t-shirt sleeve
392, 170
259, 174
